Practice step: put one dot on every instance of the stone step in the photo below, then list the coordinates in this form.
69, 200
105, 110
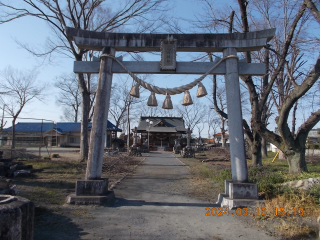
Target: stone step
230, 203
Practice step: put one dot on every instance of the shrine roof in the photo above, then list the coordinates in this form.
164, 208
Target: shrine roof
162, 124
163, 129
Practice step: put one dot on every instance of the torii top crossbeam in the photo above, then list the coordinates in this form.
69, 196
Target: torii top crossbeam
150, 42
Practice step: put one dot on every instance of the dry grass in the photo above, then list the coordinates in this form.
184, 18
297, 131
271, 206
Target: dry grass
303, 205
18, 154
288, 213
216, 154
119, 163
295, 230
55, 179
208, 176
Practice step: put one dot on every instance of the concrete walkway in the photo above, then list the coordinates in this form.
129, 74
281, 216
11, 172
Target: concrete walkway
153, 204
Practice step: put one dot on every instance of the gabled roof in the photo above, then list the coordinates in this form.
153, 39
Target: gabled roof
220, 134
61, 127
169, 124
112, 127
31, 127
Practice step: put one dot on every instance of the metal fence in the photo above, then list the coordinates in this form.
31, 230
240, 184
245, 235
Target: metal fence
29, 133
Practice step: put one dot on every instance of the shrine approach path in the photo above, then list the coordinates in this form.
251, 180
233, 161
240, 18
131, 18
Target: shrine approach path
154, 203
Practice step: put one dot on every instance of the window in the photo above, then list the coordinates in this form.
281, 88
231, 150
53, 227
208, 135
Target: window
28, 139
74, 139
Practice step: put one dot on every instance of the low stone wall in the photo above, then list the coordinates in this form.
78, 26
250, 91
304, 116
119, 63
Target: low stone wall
310, 152
16, 218
304, 184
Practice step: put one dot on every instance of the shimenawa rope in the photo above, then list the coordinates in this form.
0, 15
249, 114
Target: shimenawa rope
169, 91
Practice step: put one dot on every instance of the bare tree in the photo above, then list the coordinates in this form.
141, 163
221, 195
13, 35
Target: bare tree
282, 73
200, 127
70, 97
193, 114
94, 15
290, 86
293, 146
158, 111
120, 101
21, 88
213, 122
216, 21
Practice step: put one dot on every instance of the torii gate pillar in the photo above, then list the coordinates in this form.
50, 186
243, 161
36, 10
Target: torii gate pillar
94, 189
238, 192
237, 154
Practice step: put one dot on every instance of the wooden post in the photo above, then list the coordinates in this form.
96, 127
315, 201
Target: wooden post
100, 117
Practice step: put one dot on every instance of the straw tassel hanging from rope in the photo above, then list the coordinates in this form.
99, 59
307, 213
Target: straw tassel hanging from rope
167, 104
134, 92
152, 101
201, 90
187, 100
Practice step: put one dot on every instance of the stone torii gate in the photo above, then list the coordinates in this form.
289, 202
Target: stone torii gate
238, 192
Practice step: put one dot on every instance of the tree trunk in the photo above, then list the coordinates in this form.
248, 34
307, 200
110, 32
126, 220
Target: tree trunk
76, 114
256, 150
264, 150
128, 126
281, 155
85, 107
223, 131
297, 162
293, 128
13, 144
223, 140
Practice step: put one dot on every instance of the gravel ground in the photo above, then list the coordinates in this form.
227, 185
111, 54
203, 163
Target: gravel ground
152, 203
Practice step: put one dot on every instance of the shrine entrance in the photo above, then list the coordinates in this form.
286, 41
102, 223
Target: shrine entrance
159, 133
168, 44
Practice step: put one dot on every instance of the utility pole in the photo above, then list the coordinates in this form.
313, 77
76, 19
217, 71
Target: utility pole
128, 124
2, 124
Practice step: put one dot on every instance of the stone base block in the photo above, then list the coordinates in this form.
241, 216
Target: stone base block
16, 217
92, 192
230, 203
108, 199
92, 187
237, 190
239, 195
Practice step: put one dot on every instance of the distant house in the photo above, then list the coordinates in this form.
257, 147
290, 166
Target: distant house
63, 134
314, 135
218, 136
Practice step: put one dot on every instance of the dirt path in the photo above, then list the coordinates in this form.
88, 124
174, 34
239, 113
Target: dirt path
152, 203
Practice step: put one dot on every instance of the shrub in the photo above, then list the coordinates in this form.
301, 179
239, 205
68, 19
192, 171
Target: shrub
224, 174
267, 179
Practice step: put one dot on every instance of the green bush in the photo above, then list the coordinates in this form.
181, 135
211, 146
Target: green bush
267, 178
224, 174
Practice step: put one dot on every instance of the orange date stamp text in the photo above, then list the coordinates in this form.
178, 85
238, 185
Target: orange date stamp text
254, 212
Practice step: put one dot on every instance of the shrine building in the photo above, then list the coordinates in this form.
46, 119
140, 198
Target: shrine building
162, 131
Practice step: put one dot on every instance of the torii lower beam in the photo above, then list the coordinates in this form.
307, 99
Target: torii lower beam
150, 67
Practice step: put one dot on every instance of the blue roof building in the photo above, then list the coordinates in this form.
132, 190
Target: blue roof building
64, 134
